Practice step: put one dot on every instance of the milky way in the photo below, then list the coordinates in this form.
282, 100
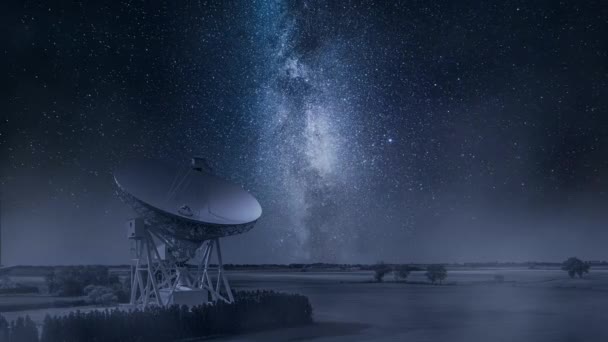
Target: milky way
405, 131
304, 125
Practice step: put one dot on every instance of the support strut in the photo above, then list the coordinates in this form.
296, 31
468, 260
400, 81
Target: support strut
159, 279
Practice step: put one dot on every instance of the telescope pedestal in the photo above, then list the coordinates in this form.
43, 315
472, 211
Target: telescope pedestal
159, 279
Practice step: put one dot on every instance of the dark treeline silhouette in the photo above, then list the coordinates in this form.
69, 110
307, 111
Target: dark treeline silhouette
251, 311
25, 270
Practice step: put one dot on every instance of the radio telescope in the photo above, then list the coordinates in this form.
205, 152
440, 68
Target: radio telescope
182, 214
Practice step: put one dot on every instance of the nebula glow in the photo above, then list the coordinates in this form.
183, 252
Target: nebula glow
307, 132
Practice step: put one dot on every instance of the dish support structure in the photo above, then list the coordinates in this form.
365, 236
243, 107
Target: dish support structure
160, 278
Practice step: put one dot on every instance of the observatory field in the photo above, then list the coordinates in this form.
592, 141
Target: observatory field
530, 305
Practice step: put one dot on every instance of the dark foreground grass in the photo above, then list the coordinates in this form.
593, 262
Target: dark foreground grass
252, 311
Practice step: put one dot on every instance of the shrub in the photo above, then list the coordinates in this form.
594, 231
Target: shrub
575, 266
436, 273
100, 295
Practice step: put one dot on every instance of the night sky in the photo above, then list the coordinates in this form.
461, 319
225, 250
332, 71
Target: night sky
415, 131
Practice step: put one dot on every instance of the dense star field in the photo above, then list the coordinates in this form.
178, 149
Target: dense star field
403, 131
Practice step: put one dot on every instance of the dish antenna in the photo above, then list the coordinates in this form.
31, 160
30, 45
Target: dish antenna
182, 214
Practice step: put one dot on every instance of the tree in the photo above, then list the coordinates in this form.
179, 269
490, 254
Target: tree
4, 329
436, 273
401, 272
575, 266
23, 330
380, 270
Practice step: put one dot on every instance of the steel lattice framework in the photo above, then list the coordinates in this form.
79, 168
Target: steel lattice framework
157, 277
156, 280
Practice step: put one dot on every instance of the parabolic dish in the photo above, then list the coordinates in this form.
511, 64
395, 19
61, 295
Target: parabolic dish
185, 202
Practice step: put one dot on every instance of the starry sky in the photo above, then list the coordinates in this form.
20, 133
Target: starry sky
409, 131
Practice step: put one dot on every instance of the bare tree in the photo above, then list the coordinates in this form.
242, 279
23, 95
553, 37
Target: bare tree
436, 273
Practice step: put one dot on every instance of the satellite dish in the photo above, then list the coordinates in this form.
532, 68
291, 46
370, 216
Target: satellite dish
183, 212
187, 203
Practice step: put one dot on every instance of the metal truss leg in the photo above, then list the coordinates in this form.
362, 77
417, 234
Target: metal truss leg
209, 272
149, 275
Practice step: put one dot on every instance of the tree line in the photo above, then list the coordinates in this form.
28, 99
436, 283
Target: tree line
437, 273
251, 311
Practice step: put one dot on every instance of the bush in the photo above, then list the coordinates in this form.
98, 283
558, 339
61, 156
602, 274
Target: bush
100, 295
575, 266
380, 270
71, 281
251, 311
436, 273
